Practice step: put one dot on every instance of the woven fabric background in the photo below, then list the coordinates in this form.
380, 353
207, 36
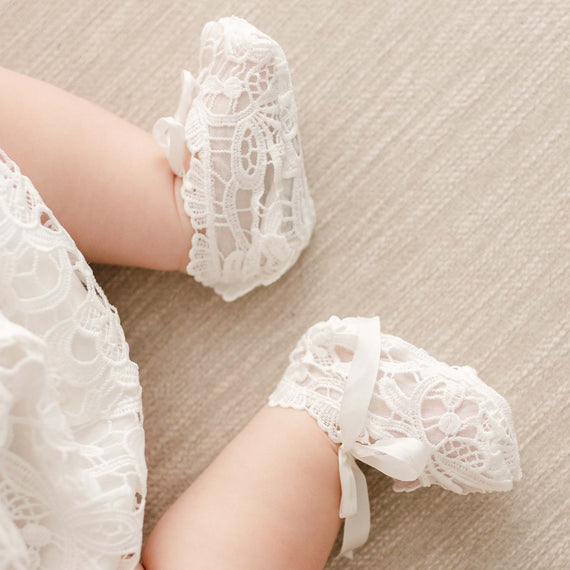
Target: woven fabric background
436, 138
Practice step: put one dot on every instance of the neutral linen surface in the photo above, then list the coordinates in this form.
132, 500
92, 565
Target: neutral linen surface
437, 149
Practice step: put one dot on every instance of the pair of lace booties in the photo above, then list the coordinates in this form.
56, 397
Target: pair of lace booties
384, 402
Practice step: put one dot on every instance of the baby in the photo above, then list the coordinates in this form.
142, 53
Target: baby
219, 191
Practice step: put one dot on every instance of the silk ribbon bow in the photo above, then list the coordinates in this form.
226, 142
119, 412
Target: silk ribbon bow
402, 458
168, 132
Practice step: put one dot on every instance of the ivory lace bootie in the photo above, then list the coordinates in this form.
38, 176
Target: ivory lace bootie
394, 407
245, 189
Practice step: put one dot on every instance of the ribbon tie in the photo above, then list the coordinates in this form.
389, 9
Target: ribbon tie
401, 458
168, 132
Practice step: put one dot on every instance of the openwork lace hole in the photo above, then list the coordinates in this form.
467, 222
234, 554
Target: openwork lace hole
49, 222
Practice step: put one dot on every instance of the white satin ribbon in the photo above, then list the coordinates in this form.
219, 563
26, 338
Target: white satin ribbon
168, 132
402, 458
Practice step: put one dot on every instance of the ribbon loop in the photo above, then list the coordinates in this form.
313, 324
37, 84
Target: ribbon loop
168, 132
402, 458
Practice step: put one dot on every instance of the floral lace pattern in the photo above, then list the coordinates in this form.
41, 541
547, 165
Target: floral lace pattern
468, 426
72, 473
245, 191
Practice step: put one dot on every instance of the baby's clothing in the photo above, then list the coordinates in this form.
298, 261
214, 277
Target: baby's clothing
72, 468
72, 472
396, 408
245, 192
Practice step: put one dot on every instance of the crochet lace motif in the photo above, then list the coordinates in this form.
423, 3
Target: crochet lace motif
72, 468
468, 426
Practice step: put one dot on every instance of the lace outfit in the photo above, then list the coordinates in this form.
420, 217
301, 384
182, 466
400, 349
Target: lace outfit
393, 406
72, 467
245, 191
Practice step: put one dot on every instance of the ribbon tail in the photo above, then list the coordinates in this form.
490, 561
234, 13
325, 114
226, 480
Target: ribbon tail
357, 526
358, 390
349, 495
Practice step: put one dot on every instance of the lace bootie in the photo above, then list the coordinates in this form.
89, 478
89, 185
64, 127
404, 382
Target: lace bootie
245, 189
394, 407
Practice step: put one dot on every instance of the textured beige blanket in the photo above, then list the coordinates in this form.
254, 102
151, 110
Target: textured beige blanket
436, 138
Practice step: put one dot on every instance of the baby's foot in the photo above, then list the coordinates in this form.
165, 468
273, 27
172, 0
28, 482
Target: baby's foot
245, 190
396, 408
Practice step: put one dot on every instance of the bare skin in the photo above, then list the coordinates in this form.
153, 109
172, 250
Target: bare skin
105, 179
271, 498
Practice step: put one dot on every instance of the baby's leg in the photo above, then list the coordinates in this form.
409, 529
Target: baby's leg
105, 179
269, 500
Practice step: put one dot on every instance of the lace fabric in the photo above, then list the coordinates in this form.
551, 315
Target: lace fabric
467, 425
245, 191
72, 473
